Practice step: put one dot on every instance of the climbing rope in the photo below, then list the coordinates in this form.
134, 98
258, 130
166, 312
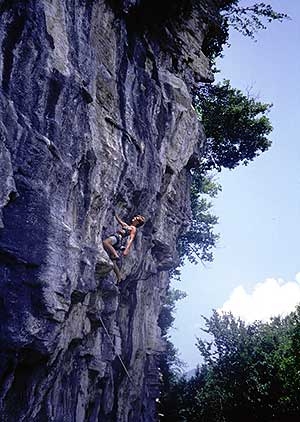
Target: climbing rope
117, 354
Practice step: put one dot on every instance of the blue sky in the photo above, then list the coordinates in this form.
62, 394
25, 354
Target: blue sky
259, 206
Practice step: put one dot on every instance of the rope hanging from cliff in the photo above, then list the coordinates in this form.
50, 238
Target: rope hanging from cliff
114, 348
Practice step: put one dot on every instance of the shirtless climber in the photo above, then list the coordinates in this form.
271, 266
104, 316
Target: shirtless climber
122, 241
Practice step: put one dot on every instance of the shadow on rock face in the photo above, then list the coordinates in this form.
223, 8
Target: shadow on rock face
103, 267
164, 256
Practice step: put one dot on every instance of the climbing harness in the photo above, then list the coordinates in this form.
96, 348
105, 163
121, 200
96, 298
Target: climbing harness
117, 354
122, 238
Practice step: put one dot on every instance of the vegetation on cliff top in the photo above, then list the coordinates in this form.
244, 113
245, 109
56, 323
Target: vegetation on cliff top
237, 129
236, 125
232, 15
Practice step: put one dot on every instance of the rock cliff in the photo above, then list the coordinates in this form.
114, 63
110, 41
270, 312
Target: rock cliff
95, 119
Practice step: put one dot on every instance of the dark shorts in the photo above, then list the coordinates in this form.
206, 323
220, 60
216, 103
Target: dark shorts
115, 240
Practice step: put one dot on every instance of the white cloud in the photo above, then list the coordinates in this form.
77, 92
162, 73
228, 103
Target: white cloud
270, 298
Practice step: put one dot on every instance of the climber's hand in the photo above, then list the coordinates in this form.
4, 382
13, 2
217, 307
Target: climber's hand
125, 253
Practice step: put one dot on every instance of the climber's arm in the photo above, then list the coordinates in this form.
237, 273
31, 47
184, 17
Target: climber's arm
130, 240
120, 221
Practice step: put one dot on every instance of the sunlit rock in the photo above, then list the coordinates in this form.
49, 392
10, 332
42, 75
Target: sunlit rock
95, 119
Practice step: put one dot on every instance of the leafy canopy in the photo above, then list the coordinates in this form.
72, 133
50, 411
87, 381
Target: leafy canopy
199, 240
236, 125
250, 373
247, 20
237, 129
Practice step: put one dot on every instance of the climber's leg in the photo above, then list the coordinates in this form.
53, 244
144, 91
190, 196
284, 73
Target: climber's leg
108, 246
117, 270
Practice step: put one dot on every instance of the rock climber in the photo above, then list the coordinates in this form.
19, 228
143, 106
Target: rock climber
121, 241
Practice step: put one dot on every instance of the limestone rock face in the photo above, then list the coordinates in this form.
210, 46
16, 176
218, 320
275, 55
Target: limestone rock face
95, 119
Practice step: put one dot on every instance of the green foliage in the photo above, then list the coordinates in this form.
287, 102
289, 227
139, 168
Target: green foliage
203, 183
237, 130
250, 373
166, 316
245, 19
250, 19
236, 125
199, 240
169, 359
170, 364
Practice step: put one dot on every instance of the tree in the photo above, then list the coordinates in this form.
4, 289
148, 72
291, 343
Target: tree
247, 20
166, 316
198, 241
170, 364
236, 125
252, 367
250, 372
237, 130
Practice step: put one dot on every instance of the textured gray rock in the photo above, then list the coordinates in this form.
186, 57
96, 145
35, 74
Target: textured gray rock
95, 118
